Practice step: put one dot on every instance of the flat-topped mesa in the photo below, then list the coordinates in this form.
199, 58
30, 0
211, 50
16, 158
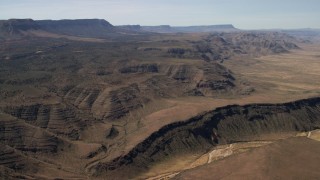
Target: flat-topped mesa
74, 22
16, 25
190, 29
96, 28
131, 27
91, 28
158, 29
222, 26
207, 28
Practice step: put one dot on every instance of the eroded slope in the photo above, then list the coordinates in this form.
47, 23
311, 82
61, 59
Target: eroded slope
223, 125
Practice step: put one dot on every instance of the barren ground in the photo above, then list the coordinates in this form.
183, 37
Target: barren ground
277, 78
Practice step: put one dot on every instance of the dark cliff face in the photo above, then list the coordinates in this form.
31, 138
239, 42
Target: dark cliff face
224, 125
13, 28
65, 24
15, 25
57, 118
79, 27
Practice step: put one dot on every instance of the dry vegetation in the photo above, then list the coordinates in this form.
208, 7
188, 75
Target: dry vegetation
172, 168
277, 160
276, 78
73, 103
290, 76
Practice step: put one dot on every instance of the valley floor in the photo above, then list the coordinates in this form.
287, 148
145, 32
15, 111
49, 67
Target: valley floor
195, 164
276, 78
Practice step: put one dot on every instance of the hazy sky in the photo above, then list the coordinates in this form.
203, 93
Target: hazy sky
245, 14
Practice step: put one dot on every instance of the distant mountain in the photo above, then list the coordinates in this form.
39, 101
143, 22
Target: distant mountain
131, 27
15, 25
159, 29
79, 27
100, 29
85, 28
13, 28
212, 28
91, 28
189, 29
307, 34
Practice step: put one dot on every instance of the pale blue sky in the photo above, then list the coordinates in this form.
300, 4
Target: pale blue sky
244, 14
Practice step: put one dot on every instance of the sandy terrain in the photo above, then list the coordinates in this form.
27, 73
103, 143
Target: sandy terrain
277, 79
266, 162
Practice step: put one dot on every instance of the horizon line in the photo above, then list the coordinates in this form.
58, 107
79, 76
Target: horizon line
261, 29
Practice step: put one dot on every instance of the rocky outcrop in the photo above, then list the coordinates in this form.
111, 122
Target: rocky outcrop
181, 72
216, 78
224, 125
79, 27
83, 98
20, 136
124, 100
160, 86
141, 68
264, 42
185, 79
112, 133
224, 46
35, 80
25, 164
58, 119
180, 52
14, 160
16, 25
13, 28
216, 85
